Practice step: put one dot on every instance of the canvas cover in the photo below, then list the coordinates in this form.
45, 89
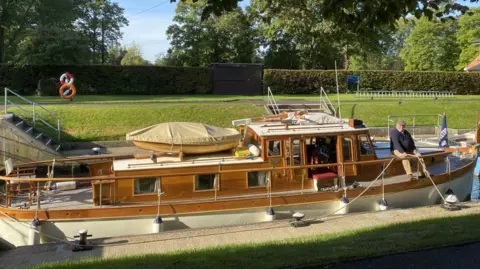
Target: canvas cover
315, 118
184, 133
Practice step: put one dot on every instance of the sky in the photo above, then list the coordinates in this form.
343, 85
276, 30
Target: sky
149, 20
148, 28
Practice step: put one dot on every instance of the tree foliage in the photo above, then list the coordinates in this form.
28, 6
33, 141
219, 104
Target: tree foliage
134, 56
28, 27
431, 46
194, 42
469, 31
359, 15
101, 21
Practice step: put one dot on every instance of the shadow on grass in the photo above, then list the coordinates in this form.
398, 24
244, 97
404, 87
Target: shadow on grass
306, 251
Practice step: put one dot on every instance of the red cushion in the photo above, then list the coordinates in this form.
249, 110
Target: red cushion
324, 176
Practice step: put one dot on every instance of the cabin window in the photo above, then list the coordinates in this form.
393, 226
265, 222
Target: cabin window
257, 179
346, 146
205, 182
297, 154
145, 185
364, 145
274, 148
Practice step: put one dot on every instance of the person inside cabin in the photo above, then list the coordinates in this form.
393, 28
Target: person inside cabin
401, 144
319, 158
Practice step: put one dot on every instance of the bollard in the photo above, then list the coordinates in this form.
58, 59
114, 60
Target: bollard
82, 241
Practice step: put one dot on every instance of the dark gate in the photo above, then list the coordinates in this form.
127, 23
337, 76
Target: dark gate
237, 79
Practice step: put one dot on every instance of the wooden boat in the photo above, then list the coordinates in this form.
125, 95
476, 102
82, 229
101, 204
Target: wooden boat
185, 137
284, 164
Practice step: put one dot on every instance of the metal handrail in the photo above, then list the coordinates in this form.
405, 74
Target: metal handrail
34, 114
271, 101
323, 93
439, 116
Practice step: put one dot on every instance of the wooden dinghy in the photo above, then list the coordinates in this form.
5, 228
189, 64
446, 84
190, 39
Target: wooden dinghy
186, 137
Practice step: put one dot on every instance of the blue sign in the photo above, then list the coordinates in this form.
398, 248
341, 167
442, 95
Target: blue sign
353, 79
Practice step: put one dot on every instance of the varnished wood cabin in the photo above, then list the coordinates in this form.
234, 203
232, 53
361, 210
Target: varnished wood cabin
344, 148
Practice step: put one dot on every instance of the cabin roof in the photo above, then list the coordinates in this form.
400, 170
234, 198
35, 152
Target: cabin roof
276, 129
166, 162
292, 124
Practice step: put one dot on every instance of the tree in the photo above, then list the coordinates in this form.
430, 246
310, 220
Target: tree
469, 31
134, 56
194, 42
116, 54
358, 15
301, 37
101, 21
52, 46
388, 57
431, 46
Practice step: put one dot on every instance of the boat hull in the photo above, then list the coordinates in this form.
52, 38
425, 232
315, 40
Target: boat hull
17, 234
187, 149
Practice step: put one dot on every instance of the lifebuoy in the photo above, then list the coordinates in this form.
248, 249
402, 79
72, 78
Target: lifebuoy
67, 91
66, 78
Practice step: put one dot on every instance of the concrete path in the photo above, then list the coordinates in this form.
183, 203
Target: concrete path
202, 238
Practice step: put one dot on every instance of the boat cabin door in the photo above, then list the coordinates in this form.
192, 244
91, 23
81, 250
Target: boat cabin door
347, 154
294, 156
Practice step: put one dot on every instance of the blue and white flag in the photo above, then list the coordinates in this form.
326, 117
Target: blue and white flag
443, 139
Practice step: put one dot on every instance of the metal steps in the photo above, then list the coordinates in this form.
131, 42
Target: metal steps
24, 126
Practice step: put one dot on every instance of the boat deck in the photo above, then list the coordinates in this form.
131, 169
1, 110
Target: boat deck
82, 198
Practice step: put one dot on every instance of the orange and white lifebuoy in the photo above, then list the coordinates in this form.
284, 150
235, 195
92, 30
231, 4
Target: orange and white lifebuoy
66, 78
67, 91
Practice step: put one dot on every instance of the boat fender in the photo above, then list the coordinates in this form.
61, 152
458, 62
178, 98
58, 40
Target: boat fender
254, 150
157, 225
66, 185
343, 205
270, 216
382, 205
33, 233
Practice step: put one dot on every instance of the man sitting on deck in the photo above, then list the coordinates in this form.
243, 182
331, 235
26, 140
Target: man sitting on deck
401, 144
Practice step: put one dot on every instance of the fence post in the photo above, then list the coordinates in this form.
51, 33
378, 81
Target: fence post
413, 126
33, 114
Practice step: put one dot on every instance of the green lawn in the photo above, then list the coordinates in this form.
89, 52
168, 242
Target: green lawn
220, 98
311, 250
112, 122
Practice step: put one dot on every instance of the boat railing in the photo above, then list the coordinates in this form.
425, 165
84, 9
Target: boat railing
35, 183
436, 120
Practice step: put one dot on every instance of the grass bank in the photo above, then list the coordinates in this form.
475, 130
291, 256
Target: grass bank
311, 250
105, 99
112, 122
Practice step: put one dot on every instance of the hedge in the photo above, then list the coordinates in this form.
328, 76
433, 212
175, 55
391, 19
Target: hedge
310, 81
98, 79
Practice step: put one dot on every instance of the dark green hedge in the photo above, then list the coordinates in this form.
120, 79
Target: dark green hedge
97, 79
310, 81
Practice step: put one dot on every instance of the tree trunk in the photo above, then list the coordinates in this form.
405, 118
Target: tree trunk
2, 44
345, 57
